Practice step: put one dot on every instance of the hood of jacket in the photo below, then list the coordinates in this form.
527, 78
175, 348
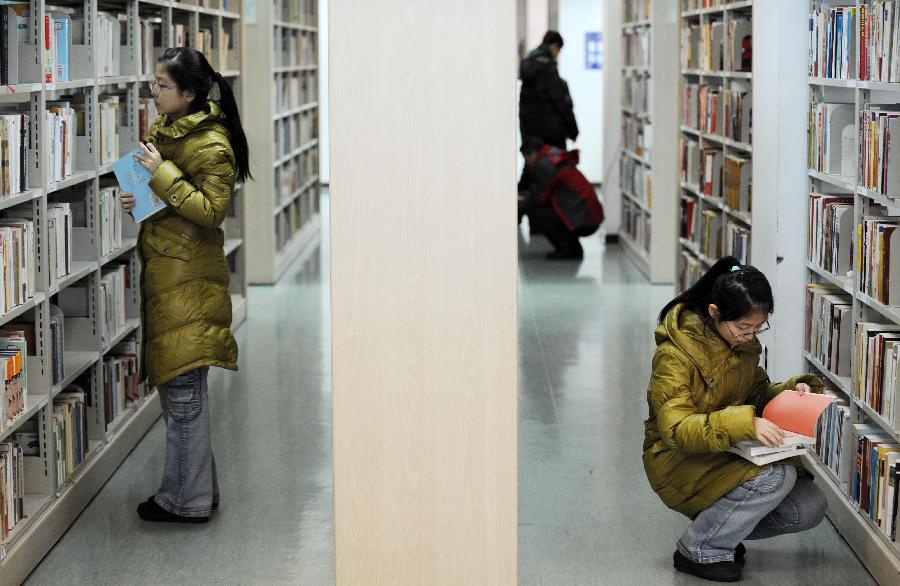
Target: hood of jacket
535, 63
700, 342
558, 156
206, 118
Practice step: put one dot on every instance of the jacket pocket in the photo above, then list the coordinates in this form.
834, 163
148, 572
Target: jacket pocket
166, 247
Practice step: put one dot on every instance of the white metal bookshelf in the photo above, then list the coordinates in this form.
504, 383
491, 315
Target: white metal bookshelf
647, 176
51, 503
692, 259
283, 223
880, 555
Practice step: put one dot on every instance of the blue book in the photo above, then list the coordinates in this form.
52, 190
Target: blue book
61, 23
134, 178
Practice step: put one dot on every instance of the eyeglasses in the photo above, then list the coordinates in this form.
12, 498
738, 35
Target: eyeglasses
747, 335
156, 89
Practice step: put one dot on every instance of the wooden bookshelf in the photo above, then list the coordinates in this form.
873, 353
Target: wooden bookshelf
281, 42
52, 503
698, 247
648, 176
880, 555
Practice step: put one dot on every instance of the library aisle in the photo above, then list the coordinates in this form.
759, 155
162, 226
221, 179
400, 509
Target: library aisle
586, 513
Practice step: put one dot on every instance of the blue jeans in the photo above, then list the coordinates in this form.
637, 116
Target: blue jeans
775, 502
189, 485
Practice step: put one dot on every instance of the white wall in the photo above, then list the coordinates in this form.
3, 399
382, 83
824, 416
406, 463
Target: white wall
536, 22
324, 173
576, 17
612, 114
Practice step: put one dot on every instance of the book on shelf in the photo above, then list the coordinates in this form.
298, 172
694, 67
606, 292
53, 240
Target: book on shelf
17, 237
689, 208
110, 219
880, 159
146, 115
70, 426
150, 46
797, 415
738, 114
59, 236
690, 162
12, 486
134, 178
690, 106
179, 34
121, 386
690, 46
873, 476
63, 125
14, 138
712, 36
739, 44
832, 438
112, 302
9, 45
833, 44
737, 241
711, 233
879, 53
61, 26
832, 140
878, 249
829, 327
109, 129
689, 270
829, 238
738, 177
710, 107
876, 353
12, 369
712, 172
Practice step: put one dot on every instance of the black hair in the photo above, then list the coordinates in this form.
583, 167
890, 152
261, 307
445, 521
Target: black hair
532, 144
737, 290
552, 38
191, 72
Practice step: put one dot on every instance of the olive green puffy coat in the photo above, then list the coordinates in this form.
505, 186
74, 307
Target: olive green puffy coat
185, 303
703, 396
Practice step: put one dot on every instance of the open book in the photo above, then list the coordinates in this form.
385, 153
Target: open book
796, 415
134, 178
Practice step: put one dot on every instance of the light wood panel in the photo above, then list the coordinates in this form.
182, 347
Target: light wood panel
423, 175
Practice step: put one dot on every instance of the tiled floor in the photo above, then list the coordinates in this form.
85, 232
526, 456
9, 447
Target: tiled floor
587, 515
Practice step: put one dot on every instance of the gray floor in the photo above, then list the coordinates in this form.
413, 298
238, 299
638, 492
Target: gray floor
587, 515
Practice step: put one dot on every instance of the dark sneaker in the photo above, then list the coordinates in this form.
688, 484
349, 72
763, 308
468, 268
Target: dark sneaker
151, 511
715, 572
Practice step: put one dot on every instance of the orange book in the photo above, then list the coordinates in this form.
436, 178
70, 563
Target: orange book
797, 413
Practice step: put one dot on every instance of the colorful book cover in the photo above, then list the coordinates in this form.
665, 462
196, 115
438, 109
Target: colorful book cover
134, 178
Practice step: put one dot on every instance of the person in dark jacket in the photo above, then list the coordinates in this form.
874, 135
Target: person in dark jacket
561, 203
545, 106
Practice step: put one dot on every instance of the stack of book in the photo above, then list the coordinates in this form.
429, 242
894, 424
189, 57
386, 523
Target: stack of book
879, 54
832, 138
712, 172
738, 176
14, 373
737, 241
833, 42
113, 291
878, 249
70, 427
830, 231
873, 479
738, 112
710, 104
14, 137
832, 438
110, 220
880, 165
877, 354
739, 44
12, 486
689, 270
17, 254
109, 129
711, 233
829, 327
712, 35
121, 386
146, 115
691, 51
63, 125
690, 162
107, 41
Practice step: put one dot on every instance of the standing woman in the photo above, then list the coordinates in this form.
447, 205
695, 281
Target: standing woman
195, 149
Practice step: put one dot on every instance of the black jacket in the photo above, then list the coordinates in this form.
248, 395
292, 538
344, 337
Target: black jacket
545, 106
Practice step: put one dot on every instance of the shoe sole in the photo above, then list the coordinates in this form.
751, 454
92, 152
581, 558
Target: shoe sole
686, 570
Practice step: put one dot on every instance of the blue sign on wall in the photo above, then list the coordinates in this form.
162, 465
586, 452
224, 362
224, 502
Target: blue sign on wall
593, 51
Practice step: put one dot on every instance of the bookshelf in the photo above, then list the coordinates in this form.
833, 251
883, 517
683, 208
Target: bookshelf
80, 306
648, 177
715, 146
281, 40
842, 201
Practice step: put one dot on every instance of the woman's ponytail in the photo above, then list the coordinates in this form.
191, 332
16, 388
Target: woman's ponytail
235, 129
737, 290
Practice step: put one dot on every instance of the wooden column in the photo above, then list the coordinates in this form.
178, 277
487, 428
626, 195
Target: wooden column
423, 271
